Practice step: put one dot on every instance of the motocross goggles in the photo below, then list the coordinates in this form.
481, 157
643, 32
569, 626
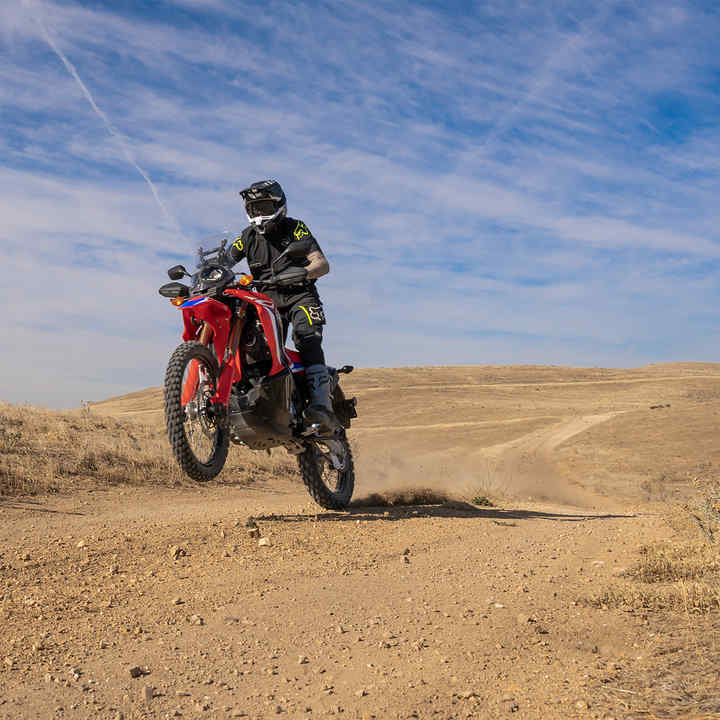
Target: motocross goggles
262, 208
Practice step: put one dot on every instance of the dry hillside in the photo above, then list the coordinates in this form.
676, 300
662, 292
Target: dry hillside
589, 588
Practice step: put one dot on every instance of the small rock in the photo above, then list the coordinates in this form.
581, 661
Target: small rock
581, 705
177, 600
264, 542
136, 672
406, 551
177, 552
196, 620
250, 522
25, 556
499, 606
406, 560
254, 532
302, 660
81, 544
362, 692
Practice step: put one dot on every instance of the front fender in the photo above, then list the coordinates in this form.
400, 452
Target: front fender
215, 314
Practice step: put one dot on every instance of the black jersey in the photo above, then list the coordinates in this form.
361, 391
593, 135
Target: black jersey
261, 250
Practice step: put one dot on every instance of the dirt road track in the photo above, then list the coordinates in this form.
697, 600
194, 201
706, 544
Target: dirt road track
561, 383
525, 465
427, 612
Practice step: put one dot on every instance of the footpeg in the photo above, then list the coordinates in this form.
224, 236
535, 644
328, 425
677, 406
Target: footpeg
311, 429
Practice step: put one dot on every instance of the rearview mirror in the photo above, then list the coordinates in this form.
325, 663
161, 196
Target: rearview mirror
176, 272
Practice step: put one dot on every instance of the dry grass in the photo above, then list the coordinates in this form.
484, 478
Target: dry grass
680, 679
44, 451
675, 586
682, 573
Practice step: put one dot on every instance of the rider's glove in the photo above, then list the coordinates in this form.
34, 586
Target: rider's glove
291, 276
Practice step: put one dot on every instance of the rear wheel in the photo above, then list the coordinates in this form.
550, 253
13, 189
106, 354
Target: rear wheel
198, 435
328, 471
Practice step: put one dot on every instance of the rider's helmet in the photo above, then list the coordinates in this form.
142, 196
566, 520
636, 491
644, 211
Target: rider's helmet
265, 204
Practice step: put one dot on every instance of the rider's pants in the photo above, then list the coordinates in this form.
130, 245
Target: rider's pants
304, 311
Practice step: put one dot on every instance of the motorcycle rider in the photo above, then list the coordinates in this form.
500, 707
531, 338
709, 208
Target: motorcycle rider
295, 295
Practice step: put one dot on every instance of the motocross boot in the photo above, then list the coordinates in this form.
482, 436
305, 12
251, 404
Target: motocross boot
320, 387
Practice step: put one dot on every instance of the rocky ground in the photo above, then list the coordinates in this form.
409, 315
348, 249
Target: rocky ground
167, 604
246, 600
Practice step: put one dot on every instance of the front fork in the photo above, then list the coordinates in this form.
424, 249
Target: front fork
227, 365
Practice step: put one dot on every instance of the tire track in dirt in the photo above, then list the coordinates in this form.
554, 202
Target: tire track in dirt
525, 465
522, 467
445, 426
558, 383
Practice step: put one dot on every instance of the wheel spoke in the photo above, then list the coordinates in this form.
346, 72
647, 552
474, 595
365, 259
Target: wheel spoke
200, 429
329, 475
198, 439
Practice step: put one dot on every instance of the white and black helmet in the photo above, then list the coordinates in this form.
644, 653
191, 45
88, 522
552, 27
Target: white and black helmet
265, 204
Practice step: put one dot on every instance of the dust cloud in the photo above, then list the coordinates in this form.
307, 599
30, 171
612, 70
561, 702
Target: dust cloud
387, 476
520, 470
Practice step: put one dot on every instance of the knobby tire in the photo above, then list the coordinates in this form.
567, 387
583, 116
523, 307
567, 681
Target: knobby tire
311, 471
175, 414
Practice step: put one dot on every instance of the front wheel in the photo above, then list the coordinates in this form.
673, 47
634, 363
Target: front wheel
328, 471
198, 436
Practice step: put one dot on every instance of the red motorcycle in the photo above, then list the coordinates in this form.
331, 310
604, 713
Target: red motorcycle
233, 380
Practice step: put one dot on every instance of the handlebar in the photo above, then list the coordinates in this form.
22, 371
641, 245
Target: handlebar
265, 284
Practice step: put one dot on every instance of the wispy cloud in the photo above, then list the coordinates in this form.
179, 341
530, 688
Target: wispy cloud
116, 135
511, 182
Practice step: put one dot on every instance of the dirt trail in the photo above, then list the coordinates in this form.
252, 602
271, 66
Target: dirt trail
525, 465
450, 425
650, 379
441, 611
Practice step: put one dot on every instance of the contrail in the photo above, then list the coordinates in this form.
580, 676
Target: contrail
542, 80
114, 133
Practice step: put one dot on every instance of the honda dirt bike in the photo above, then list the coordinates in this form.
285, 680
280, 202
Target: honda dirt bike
232, 380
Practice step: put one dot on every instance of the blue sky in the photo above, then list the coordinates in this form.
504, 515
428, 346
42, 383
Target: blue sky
493, 183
